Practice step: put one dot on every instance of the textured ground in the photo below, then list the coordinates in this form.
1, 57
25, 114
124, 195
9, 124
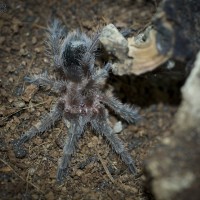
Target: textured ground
96, 172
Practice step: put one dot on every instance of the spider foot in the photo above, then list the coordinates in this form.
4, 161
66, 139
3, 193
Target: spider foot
28, 79
61, 174
129, 162
19, 151
132, 168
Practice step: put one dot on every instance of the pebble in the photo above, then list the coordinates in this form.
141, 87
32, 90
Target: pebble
23, 52
34, 40
10, 68
11, 79
118, 127
79, 172
37, 49
31, 171
19, 104
46, 60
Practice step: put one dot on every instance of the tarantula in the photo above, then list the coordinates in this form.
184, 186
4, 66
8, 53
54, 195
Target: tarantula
82, 100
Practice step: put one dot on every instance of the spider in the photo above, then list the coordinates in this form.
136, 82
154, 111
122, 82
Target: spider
82, 98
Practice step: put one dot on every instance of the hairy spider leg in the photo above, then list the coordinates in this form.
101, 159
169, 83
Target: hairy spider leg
56, 34
127, 112
40, 80
75, 130
102, 73
100, 125
45, 81
44, 124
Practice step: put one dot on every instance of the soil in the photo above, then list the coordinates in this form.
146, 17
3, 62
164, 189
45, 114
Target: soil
96, 172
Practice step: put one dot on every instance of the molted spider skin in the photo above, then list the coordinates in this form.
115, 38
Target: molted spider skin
82, 99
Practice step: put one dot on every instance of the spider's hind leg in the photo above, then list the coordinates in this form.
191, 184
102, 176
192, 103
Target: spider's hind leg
100, 125
74, 132
125, 111
40, 127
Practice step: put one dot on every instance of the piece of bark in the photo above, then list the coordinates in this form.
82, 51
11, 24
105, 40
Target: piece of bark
114, 42
174, 34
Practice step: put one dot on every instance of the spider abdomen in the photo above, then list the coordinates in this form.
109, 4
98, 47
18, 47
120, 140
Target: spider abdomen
81, 108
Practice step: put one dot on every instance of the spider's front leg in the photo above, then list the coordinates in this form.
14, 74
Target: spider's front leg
56, 33
40, 127
40, 80
127, 112
45, 81
100, 125
74, 129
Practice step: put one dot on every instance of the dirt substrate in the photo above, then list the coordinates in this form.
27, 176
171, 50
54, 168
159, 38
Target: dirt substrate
96, 172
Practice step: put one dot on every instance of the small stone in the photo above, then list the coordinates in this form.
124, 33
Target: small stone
118, 127
37, 50
24, 63
10, 100
11, 79
10, 68
31, 171
79, 172
23, 52
16, 24
5, 169
90, 145
94, 142
19, 104
46, 60
22, 45
34, 40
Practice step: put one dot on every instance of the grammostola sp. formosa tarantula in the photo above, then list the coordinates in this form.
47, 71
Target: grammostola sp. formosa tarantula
82, 100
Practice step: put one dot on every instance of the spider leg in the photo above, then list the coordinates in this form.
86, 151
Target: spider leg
127, 112
40, 80
45, 81
102, 74
100, 125
74, 132
55, 36
89, 58
40, 127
